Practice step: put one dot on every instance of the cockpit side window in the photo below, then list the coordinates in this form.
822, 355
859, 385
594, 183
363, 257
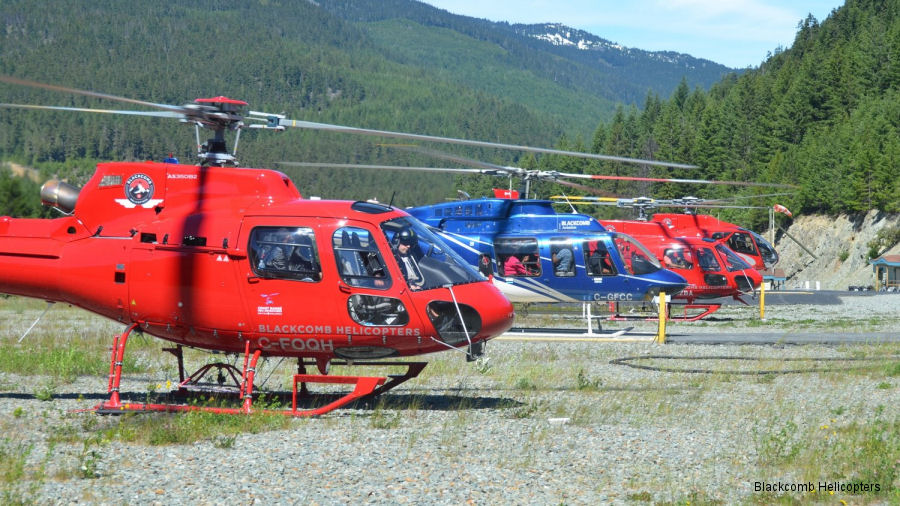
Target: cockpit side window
597, 260
742, 243
285, 252
678, 258
637, 259
732, 261
706, 259
769, 255
424, 260
358, 260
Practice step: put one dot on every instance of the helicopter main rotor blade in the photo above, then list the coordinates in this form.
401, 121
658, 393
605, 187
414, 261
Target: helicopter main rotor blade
648, 203
157, 114
582, 187
385, 167
674, 180
64, 89
554, 175
292, 123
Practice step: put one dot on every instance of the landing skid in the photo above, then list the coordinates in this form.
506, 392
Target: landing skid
685, 310
231, 382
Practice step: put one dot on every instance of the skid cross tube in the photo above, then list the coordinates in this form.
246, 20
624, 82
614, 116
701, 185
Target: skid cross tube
365, 385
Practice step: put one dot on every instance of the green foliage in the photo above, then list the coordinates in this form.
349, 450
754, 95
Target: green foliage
822, 114
582, 382
396, 65
884, 239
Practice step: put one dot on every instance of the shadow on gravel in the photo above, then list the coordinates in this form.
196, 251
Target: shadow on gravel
467, 399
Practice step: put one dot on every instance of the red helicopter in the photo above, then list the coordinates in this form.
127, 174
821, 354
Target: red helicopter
705, 256
751, 246
234, 260
711, 269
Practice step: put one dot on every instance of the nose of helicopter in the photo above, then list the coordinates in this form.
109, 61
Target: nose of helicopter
670, 282
755, 277
495, 309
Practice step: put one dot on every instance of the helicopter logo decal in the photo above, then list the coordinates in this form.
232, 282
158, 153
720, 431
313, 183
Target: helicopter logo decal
139, 192
268, 308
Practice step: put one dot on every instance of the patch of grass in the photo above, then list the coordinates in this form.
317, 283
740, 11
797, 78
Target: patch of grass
892, 369
18, 482
185, 428
642, 496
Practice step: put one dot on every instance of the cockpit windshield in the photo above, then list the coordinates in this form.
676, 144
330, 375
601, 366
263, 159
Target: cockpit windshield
766, 250
425, 261
637, 259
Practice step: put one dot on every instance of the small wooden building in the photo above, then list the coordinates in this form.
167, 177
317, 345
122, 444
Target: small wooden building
887, 272
775, 278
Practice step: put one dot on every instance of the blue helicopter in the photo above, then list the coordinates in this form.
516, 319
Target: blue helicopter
534, 254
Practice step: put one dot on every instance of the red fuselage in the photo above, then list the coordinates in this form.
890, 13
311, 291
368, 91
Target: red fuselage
711, 269
179, 249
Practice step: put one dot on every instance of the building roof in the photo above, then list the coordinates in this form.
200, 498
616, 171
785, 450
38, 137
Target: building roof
892, 260
773, 273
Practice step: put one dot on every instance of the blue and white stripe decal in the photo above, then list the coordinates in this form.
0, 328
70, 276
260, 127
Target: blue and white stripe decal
526, 289
462, 241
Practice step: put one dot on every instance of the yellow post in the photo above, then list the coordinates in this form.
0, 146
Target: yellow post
661, 333
762, 301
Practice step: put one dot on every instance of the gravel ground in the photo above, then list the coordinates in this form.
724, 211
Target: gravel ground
539, 423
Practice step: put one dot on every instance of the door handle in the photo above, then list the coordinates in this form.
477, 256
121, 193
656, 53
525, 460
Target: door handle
344, 288
252, 279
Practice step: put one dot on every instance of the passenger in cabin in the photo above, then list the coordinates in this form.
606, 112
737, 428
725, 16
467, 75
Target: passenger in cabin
563, 262
484, 265
599, 261
532, 264
674, 259
512, 266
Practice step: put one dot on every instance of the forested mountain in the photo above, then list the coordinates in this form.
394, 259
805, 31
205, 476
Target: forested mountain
396, 64
824, 114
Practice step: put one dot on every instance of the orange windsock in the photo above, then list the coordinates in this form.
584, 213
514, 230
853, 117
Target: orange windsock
781, 209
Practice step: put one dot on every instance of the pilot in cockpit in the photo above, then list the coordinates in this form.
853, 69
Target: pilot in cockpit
403, 251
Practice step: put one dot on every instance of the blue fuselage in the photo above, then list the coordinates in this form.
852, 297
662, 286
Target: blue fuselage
488, 232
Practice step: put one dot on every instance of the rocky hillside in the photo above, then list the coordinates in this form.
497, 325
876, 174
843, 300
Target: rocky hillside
830, 239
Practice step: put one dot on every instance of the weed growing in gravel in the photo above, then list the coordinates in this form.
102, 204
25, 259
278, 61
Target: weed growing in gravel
383, 419
527, 410
19, 482
45, 393
582, 382
776, 446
